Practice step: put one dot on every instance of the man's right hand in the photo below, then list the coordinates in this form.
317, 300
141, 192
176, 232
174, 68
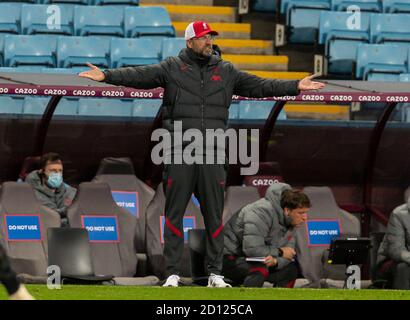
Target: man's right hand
94, 74
288, 253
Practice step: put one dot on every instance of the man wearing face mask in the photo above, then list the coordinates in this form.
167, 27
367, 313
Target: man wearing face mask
49, 186
198, 87
264, 229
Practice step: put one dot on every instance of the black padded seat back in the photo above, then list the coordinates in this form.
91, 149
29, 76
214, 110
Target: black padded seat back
237, 197
109, 257
313, 257
27, 254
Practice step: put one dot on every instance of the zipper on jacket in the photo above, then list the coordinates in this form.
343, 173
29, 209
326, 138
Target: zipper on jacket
202, 100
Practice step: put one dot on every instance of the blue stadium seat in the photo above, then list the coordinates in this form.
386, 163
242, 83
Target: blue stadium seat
10, 17
134, 52
340, 40
364, 5
85, 2
285, 5
146, 107
234, 110
384, 77
95, 20
404, 77
389, 27
35, 19
117, 2
1, 49
147, 21
334, 25
22, 69
304, 25
77, 51
37, 106
264, 5
105, 107
11, 105
29, 50
396, 6
257, 110
172, 46
377, 58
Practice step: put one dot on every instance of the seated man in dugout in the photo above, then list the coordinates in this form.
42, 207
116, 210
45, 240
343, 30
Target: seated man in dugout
393, 257
264, 229
49, 186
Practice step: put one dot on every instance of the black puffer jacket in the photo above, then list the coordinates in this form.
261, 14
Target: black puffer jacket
198, 96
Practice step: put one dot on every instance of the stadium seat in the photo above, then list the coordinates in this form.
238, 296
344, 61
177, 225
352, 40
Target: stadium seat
340, 40
77, 51
404, 77
376, 58
304, 25
130, 193
36, 19
383, 77
234, 110
37, 105
29, 50
117, 2
147, 21
264, 6
237, 197
10, 105
302, 19
257, 110
134, 52
10, 17
146, 107
112, 248
390, 27
1, 50
94, 20
172, 46
324, 214
364, 5
19, 210
85, 2
70, 249
154, 233
104, 107
396, 6
59, 70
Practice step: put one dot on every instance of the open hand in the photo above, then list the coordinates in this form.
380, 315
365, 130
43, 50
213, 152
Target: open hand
307, 83
94, 74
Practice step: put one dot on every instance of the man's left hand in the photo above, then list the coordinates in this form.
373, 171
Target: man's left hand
307, 83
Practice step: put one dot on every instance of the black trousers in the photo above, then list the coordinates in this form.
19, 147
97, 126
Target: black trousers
396, 274
207, 182
254, 274
7, 275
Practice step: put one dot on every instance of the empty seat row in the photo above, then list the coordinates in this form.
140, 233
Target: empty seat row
82, 2
254, 110
382, 61
77, 20
341, 33
387, 6
68, 52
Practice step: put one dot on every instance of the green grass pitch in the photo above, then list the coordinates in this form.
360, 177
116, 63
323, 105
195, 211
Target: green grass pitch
74, 292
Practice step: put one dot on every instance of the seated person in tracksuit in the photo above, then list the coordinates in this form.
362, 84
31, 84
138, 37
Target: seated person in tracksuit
264, 228
49, 187
393, 257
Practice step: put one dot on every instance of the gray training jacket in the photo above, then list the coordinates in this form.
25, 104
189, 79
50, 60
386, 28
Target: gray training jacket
58, 201
260, 228
396, 242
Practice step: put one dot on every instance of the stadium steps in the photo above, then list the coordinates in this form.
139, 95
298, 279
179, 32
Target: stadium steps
317, 111
285, 75
243, 46
206, 13
258, 62
225, 30
179, 2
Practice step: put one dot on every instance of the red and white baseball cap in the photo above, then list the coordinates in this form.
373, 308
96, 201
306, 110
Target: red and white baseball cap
198, 29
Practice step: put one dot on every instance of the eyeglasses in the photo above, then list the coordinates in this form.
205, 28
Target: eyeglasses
206, 37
